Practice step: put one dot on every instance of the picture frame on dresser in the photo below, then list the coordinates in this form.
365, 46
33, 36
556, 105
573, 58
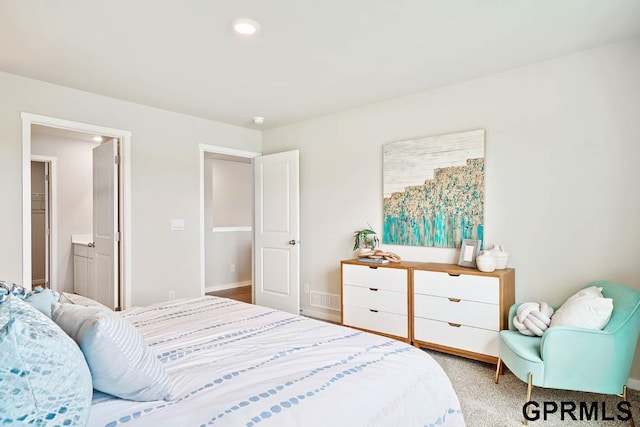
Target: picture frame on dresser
468, 253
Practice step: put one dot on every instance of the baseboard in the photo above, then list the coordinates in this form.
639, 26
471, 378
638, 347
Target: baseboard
320, 315
37, 282
224, 286
633, 383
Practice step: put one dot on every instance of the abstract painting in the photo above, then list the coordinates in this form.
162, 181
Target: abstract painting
434, 190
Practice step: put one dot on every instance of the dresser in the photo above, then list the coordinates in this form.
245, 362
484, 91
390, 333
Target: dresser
442, 307
460, 310
377, 298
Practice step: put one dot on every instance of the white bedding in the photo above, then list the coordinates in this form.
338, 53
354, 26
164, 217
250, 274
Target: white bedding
236, 364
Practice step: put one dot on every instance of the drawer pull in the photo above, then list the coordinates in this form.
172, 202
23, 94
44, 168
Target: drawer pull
454, 275
372, 310
455, 325
373, 267
454, 299
373, 289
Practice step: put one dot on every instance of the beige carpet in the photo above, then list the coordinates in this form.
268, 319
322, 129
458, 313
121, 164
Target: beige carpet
485, 403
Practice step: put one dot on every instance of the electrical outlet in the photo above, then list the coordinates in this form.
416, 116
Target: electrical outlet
233, 267
306, 288
172, 295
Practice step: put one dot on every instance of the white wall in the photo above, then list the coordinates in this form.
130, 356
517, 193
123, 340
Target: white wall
562, 175
228, 192
74, 195
165, 179
232, 193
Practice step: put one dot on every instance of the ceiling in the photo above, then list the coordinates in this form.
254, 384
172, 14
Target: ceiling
310, 58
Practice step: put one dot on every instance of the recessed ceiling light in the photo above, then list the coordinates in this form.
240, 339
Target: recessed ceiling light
97, 138
258, 120
245, 27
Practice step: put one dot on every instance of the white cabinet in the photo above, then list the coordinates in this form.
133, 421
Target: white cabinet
84, 277
461, 311
375, 298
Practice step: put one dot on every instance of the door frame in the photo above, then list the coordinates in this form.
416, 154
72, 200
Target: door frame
53, 218
203, 149
29, 119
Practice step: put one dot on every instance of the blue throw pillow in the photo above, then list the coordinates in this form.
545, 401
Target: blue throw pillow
44, 379
42, 299
121, 363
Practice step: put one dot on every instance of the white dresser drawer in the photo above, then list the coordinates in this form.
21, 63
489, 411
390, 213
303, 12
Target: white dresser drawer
463, 337
469, 313
393, 279
380, 299
387, 323
465, 286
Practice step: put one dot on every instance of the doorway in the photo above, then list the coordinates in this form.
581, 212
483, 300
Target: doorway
52, 259
226, 222
275, 232
32, 125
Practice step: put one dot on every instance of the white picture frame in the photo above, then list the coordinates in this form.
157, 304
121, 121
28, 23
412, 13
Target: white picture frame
468, 253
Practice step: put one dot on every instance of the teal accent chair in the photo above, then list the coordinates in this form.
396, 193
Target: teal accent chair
597, 361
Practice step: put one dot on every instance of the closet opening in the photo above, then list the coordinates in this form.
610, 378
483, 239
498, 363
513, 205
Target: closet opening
41, 221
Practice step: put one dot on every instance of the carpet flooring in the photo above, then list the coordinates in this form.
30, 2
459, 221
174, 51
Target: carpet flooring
485, 403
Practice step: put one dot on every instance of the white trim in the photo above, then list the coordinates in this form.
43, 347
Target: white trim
53, 217
230, 229
202, 149
225, 286
29, 119
320, 315
633, 384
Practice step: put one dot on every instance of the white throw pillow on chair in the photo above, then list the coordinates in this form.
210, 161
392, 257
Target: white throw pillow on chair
587, 308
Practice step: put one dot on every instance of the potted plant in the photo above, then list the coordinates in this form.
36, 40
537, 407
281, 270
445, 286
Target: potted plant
366, 239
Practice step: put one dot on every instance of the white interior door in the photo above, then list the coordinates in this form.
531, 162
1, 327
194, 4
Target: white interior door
277, 231
105, 224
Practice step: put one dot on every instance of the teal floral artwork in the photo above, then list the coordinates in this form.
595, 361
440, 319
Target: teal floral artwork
434, 190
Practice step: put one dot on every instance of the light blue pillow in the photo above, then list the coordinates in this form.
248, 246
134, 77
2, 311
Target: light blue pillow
121, 363
44, 379
42, 299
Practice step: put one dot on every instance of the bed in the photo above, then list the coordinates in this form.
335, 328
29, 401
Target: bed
237, 364
205, 362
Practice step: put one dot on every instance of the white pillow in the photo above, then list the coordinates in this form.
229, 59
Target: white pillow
67, 298
588, 309
120, 361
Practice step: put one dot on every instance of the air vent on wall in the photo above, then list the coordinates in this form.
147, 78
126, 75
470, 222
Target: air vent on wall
324, 300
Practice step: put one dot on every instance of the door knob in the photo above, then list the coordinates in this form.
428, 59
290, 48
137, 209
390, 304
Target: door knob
292, 242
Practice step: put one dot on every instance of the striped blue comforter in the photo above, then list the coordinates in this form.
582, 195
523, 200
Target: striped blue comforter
236, 364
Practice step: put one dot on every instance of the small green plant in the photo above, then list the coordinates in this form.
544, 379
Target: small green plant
365, 238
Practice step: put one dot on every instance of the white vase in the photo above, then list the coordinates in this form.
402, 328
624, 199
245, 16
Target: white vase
486, 262
502, 257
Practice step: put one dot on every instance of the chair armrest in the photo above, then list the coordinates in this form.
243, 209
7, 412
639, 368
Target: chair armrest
572, 340
583, 359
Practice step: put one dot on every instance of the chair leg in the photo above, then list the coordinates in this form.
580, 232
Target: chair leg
529, 389
499, 365
625, 397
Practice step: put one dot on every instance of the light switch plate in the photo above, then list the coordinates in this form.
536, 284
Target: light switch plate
177, 224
